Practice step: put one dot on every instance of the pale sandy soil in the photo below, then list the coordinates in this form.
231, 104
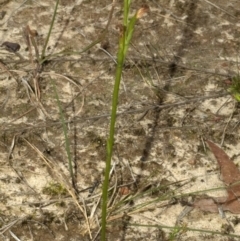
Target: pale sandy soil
188, 50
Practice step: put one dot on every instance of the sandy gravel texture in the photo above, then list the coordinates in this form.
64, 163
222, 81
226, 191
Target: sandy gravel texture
173, 96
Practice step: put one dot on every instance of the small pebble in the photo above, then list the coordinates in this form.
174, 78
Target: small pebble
11, 47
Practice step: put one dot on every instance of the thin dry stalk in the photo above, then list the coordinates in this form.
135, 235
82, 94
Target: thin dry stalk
25, 113
14, 235
114, 195
80, 108
30, 38
12, 146
221, 9
62, 179
34, 98
63, 76
28, 42
9, 225
4, 67
229, 119
3, 105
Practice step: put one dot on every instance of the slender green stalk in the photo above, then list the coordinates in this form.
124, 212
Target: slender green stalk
110, 140
185, 229
126, 35
50, 31
64, 126
126, 8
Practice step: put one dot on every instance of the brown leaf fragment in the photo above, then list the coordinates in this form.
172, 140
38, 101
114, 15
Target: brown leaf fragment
206, 204
11, 47
232, 203
231, 177
229, 171
209, 204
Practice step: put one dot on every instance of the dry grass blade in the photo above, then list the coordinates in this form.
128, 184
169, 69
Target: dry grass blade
63, 76
4, 67
34, 96
9, 225
27, 39
14, 236
221, 9
62, 179
12, 146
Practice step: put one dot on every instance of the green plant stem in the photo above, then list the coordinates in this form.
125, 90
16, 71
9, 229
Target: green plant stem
49, 32
185, 229
110, 141
126, 11
126, 35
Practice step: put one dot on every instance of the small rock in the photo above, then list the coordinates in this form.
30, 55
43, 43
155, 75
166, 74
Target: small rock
11, 47
2, 14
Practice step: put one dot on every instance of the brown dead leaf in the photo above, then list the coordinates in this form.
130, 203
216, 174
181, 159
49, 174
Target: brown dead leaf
231, 177
229, 171
206, 204
210, 204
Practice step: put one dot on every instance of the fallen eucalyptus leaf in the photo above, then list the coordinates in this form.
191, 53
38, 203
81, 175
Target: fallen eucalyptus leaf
231, 177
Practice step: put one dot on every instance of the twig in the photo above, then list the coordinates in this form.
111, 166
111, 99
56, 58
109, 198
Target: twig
230, 118
63, 179
15, 11
25, 113
60, 75
3, 66
30, 231
12, 146
204, 144
126, 112
221, 106
214, 5
9, 225
27, 39
14, 236
2, 106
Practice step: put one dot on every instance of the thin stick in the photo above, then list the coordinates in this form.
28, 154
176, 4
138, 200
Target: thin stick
63, 179
230, 118
214, 5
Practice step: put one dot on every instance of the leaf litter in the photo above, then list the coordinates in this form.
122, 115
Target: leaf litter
230, 176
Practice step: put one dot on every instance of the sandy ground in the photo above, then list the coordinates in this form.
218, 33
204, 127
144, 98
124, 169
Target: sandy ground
182, 57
